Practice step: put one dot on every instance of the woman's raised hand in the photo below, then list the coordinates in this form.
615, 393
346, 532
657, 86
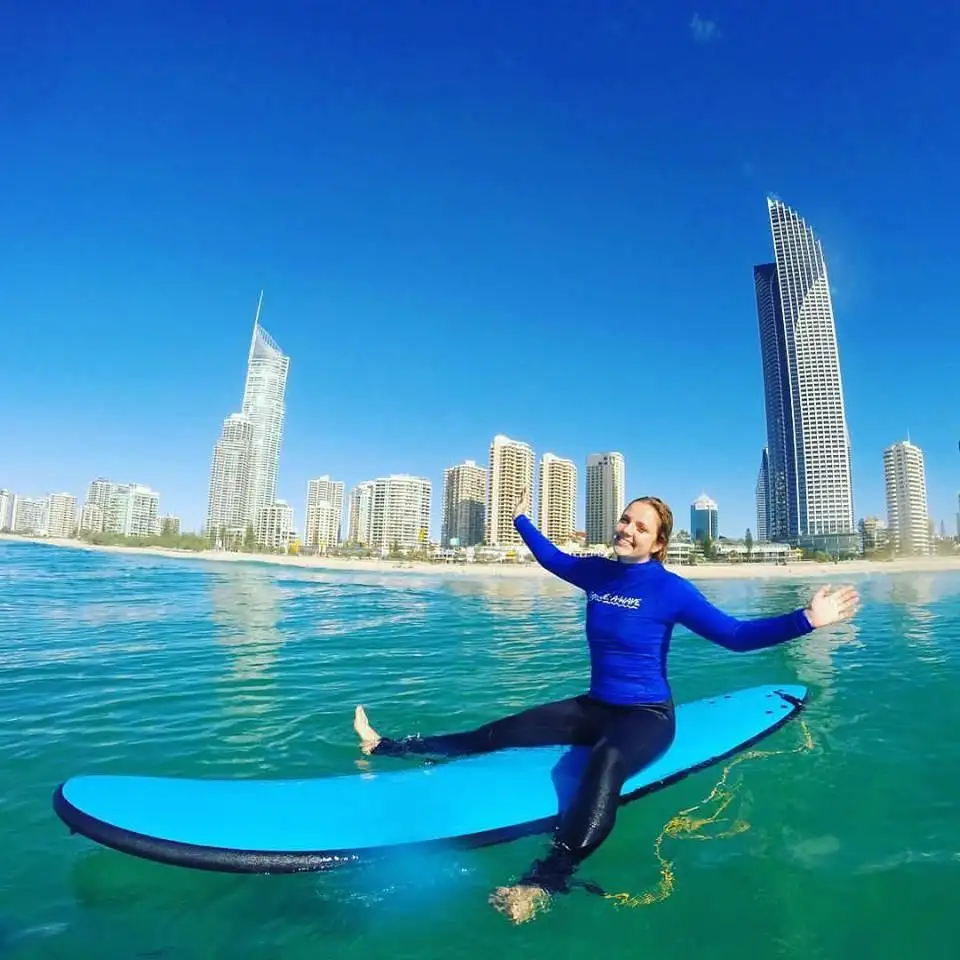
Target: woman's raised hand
832, 604
523, 503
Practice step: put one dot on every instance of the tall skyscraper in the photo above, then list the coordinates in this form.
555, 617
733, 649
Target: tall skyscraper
704, 519
323, 517
811, 499
908, 520
360, 521
464, 504
400, 514
227, 513
557, 498
250, 442
510, 473
606, 495
763, 499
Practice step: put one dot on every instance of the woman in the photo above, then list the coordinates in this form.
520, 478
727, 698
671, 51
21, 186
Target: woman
627, 716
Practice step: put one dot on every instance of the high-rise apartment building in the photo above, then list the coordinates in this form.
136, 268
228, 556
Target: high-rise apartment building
464, 505
763, 498
62, 515
6, 510
227, 513
30, 515
360, 522
246, 459
704, 519
323, 518
132, 511
273, 526
510, 472
810, 493
400, 512
606, 495
908, 520
557, 498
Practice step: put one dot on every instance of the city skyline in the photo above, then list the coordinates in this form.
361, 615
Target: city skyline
452, 253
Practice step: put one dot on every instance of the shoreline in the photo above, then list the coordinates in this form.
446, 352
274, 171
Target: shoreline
705, 571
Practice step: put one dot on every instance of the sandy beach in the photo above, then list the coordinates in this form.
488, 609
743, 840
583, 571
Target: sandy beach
703, 571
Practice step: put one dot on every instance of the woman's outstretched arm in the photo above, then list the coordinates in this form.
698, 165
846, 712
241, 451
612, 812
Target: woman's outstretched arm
575, 570
702, 617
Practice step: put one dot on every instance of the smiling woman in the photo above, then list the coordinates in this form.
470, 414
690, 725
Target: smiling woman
627, 716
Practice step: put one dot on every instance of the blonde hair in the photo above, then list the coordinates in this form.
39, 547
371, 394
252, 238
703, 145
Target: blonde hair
665, 516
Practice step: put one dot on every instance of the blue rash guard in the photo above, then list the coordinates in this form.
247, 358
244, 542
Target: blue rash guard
631, 611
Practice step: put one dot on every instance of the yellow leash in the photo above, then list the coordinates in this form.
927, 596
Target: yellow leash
687, 827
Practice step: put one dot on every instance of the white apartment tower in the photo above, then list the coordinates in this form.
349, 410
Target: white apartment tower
93, 517
62, 515
6, 510
400, 514
810, 499
230, 478
606, 495
510, 473
557, 498
464, 504
133, 510
247, 456
323, 518
360, 520
908, 520
273, 526
29, 515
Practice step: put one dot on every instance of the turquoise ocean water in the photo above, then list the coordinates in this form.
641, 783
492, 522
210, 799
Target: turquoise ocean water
132, 664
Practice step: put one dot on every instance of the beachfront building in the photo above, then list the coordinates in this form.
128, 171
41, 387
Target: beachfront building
96, 506
273, 526
360, 520
29, 515
905, 482
510, 472
323, 518
873, 534
464, 505
810, 499
557, 498
169, 526
132, 510
246, 459
91, 518
400, 512
704, 519
6, 510
606, 495
227, 514
62, 515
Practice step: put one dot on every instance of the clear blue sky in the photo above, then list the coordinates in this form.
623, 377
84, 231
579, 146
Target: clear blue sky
468, 218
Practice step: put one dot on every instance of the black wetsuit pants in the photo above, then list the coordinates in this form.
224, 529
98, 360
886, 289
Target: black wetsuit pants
623, 740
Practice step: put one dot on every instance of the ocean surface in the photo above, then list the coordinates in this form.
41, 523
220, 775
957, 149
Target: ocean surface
846, 844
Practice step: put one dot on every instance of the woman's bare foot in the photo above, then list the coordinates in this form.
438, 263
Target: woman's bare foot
520, 903
369, 737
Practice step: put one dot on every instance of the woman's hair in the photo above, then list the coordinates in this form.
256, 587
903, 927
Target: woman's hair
665, 516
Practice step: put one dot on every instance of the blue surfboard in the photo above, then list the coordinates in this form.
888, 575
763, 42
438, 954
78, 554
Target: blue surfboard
285, 826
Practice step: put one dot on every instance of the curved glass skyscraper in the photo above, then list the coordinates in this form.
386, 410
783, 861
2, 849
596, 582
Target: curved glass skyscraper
809, 499
246, 458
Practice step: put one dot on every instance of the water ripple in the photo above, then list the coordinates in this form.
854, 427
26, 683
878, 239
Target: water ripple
116, 663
